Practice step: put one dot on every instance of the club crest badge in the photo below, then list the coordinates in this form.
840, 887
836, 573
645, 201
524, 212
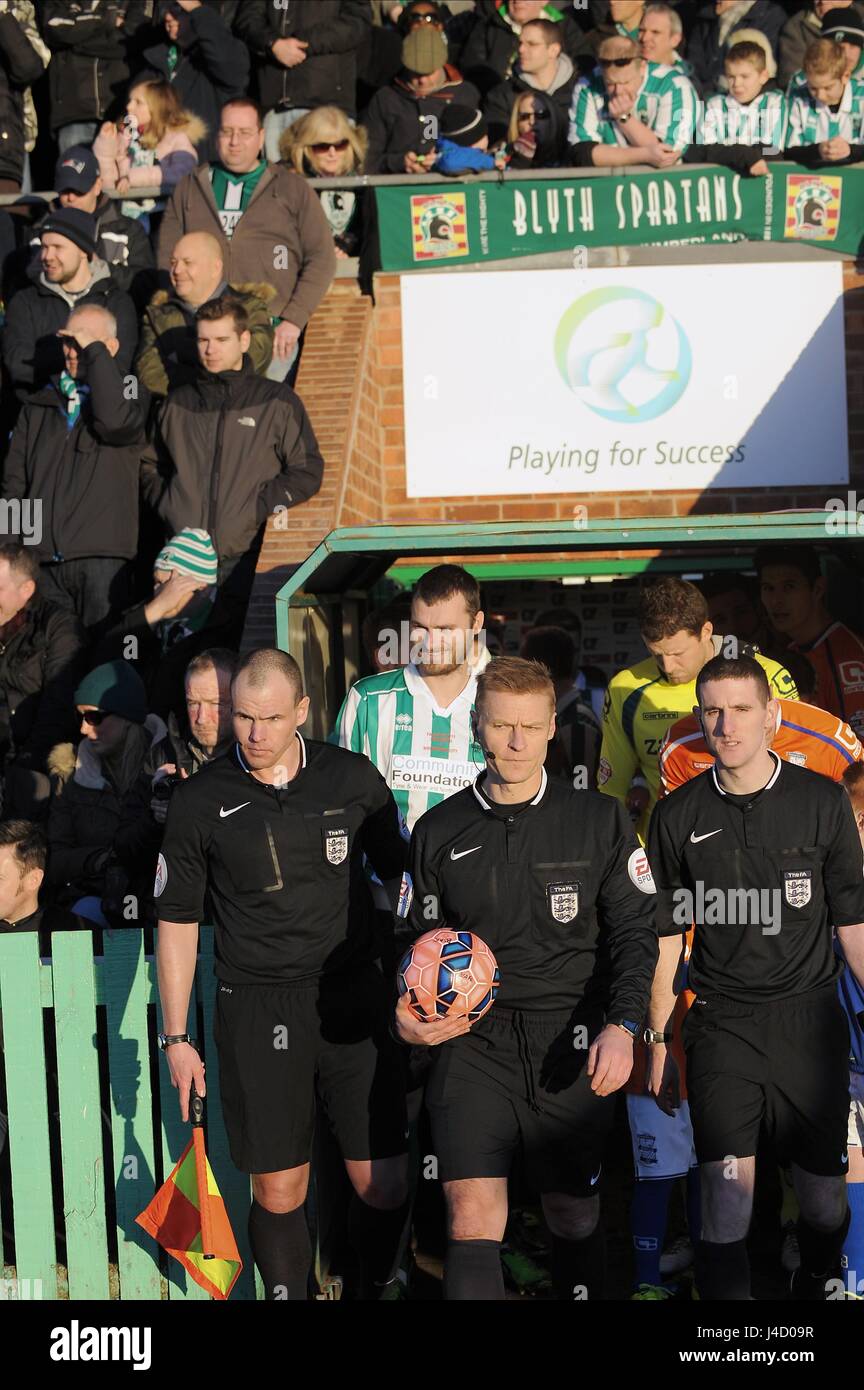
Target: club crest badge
336, 845
563, 899
797, 887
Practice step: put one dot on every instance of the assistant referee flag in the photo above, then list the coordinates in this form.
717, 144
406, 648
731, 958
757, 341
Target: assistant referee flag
173, 1218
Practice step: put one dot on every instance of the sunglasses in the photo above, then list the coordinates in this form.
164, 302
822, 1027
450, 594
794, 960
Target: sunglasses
615, 62
340, 146
94, 716
533, 115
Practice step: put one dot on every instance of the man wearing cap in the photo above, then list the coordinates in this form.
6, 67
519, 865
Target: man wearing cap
69, 273
403, 118
102, 836
76, 451
168, 351
121, 242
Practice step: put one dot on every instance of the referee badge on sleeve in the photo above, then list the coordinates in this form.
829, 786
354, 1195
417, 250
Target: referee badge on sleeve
797, 887
563, 900
336, 845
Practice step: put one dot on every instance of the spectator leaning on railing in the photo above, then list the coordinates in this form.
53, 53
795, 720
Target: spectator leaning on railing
325, 145
267, 220
826, 119
402, 118
168, 350
632, 112
536, 134
155, 146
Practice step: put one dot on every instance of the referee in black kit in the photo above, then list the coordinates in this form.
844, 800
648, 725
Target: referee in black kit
275, 832
556, 884
764, 858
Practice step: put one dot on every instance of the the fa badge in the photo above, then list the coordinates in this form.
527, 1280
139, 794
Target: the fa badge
336, 845
563, 901
797, 887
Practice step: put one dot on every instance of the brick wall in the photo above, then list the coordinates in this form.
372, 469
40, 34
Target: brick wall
350, 379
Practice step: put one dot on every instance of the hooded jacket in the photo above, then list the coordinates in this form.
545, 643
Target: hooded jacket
41, 663
86, 477
795, 38
499, 103
283, 212
32, 353
333, 29
20, 65
212, 67
168, 352
398, 122
705, 51
88, 71
228, 450
492, 46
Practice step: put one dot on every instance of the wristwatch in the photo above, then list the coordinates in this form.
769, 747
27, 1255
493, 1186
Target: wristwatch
628, 1025
651, 1036
622, 120
168, 1039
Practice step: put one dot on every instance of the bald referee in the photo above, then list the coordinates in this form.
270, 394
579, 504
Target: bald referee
275, 833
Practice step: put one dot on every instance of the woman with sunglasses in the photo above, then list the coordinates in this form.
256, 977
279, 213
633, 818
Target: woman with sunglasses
325, 145
102, 837
537, 133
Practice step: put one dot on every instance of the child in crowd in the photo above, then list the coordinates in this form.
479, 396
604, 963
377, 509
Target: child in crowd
750, 112
826, 121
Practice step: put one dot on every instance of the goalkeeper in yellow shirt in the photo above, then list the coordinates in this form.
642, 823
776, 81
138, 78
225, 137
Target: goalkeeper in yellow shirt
644, 700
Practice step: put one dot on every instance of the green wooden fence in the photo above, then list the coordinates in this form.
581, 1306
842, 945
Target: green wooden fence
85, 1153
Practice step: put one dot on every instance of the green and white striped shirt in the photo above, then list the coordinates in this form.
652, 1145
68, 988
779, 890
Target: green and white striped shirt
798, 80
810, 122
423, 752
762, 121
667, 103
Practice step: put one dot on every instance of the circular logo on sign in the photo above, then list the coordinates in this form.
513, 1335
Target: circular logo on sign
623, 355
640, 871
161, 876
604, 772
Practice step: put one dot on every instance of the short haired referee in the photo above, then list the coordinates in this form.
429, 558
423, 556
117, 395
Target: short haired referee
764, 858
275, 833
556, 883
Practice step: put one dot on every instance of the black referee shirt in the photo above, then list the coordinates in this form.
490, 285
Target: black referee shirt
284, 867
767, 876
560, 891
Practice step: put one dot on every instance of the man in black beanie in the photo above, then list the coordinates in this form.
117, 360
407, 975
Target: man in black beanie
67, 273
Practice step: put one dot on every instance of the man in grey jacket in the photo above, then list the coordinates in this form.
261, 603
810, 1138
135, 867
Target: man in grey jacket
231, 448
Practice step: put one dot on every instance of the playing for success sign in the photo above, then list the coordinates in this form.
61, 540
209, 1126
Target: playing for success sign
691, 377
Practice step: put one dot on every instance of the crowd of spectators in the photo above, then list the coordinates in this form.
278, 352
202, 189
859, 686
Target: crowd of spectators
154, 309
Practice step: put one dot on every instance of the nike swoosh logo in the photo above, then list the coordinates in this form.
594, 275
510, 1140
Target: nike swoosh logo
596, 1177
463, 852
694, 838
223, 813
845, 1158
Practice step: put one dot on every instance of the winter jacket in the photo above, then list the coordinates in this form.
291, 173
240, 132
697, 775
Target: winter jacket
212, 67
20, 65
228, 450
454, 159
122, 244
492, 47
550, 148
174, 157
32, 352
41, 663
398, 122
704, 50
92, 823
499, 104
87, 476
795, 38
168, 349
88, 71
283, 213
333, 29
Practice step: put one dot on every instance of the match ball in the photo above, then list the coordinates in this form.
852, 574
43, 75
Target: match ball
449, 974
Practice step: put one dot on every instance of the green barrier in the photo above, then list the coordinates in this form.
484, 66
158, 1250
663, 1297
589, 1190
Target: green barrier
475, 221
105, 1021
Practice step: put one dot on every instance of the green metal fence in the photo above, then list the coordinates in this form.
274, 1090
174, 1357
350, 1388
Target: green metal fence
94, 1124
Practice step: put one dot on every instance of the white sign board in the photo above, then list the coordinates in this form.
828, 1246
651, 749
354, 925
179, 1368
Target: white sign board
685, 377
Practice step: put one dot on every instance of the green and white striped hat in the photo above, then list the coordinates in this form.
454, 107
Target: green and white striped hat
190, 552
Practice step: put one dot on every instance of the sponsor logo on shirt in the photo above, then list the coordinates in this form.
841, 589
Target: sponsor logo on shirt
406, 895
800, 759
639, 871
852, 675
408, 773
405, 723
604, 772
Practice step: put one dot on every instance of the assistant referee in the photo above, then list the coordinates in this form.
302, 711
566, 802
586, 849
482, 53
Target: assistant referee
555, 882
276, 832
763, 857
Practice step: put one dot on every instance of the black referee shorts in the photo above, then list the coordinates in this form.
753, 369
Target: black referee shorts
517, 1080
784, 1065
285, 1049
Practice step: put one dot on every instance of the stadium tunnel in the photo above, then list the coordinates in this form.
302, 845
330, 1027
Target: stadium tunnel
584, 577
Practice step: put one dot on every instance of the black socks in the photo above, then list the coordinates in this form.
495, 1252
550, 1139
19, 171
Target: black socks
722, 1271
282, 1251
579, 1266
472, 1271
376, 1236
